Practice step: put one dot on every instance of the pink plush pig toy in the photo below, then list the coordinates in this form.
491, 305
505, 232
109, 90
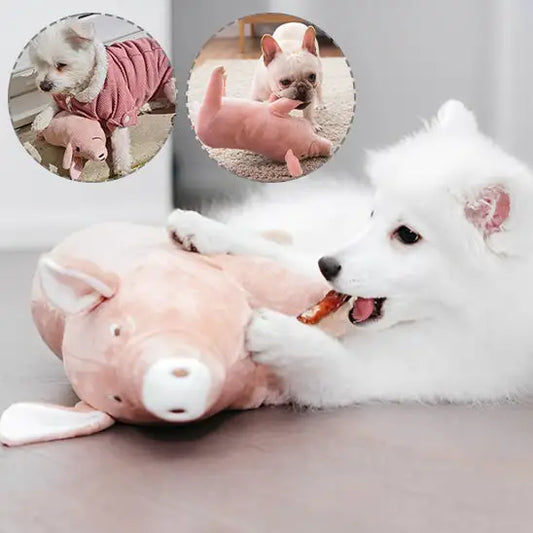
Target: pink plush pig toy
83, 138
150, 333
263, 128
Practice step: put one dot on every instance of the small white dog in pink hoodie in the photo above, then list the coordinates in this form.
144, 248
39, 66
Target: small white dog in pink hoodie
110, 84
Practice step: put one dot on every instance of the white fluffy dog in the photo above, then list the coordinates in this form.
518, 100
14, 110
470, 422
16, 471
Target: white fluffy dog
439, 255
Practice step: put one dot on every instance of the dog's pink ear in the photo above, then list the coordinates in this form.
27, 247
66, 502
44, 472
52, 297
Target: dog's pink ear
309, 41
79, 33
269, 47
489, 211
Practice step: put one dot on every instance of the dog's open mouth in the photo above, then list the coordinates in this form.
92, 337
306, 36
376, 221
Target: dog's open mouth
303, 106
362, 310
366, 310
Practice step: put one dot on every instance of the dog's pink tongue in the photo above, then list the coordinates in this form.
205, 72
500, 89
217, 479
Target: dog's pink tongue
362, 309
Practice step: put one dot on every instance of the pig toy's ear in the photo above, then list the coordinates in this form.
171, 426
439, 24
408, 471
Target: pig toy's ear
26, 423
75, 285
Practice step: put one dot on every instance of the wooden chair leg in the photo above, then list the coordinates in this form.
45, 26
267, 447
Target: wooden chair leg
241, 36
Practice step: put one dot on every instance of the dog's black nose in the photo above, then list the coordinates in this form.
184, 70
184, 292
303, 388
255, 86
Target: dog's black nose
46, 86
301, 92
329, 267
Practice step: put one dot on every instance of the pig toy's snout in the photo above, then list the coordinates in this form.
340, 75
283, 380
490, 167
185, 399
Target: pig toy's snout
179, 389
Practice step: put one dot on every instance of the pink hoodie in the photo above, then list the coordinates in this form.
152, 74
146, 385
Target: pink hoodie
137, 71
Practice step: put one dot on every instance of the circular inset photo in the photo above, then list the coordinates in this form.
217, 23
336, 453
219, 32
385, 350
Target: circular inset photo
271, 97
92, 97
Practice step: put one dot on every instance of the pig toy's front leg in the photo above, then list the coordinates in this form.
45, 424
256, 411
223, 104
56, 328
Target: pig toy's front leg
43, 119
212, 102
293, 164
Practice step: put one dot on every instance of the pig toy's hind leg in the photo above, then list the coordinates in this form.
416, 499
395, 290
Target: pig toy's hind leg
293, 164
213, 96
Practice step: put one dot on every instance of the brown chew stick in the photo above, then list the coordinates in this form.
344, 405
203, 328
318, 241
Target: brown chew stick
329, 304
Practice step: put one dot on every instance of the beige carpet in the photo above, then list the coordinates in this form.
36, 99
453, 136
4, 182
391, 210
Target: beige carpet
335, 119
147, 138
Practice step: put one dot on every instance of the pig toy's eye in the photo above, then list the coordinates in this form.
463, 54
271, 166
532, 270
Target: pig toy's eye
115, 330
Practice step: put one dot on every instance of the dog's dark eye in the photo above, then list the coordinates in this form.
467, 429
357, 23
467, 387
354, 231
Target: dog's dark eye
60, 66
285, 82
406, 235
312, 77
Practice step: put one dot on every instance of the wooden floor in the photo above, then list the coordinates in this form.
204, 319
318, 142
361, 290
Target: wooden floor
228, 48
382, 467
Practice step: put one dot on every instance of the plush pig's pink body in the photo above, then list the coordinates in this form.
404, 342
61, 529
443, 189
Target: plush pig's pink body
264, 128
150, 333
82, 138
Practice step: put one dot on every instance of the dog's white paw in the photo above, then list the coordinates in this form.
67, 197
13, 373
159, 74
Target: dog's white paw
321, 107
145, 108
121, 162
40, 122
197, 233
121, 168
270, 338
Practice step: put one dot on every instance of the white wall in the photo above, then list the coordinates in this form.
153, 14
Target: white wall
410, 55
36, 207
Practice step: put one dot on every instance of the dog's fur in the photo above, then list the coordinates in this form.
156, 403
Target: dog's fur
70, 60
456, 324
290, 67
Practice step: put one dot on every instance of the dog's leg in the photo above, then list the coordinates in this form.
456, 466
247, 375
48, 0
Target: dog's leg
320, 371
169, 91
120, 145
319, 104
200, 234
152, 106
43, 119
260, 92
317, 369
309, 114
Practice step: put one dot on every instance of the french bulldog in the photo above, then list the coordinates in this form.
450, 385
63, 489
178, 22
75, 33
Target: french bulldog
290, 67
